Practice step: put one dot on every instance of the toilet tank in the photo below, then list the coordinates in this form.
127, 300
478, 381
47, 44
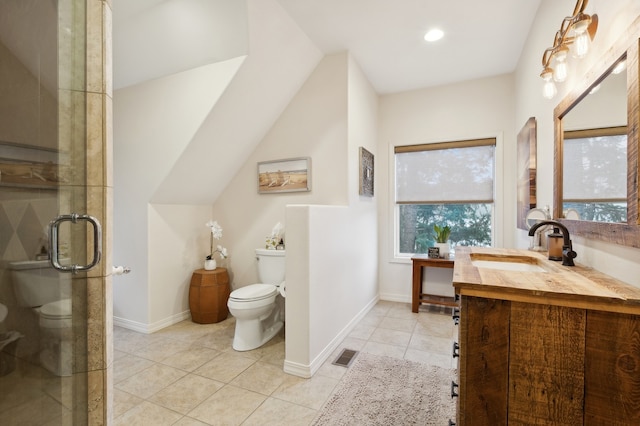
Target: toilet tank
36, 283
270, 266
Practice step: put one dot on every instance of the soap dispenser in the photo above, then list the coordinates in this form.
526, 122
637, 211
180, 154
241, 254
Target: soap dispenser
554, 243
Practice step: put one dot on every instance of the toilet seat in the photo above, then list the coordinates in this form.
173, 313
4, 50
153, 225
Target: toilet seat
253, 292
56, 314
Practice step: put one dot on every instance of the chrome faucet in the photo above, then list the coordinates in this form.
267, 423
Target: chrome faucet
567, 249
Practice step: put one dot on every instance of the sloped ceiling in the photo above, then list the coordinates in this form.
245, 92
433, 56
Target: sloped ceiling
280, 59
482, 38
156, 38
386, 38
198, 166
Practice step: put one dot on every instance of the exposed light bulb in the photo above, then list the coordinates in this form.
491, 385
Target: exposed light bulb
560, 72
549, 89
581, 45
434, 35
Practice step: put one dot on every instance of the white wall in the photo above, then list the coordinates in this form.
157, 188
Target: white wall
331, 226
193, 33
279, 60
313, 125
614, 17
468, 110
333, 113
180, 241
179, 140
331, 280
332, 253
153, 123
499, 105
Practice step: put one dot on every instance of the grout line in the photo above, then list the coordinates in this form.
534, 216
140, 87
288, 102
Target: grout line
389, 310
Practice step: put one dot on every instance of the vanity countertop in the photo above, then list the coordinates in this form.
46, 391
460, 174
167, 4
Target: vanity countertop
528, 276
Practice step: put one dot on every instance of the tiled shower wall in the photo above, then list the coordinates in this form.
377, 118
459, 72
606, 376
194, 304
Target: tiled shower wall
82, 109
99, 202
23, 226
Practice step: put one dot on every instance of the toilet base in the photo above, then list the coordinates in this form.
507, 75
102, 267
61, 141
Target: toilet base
249, 336
57, 361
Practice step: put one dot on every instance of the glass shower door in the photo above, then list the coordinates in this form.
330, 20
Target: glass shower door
43, 174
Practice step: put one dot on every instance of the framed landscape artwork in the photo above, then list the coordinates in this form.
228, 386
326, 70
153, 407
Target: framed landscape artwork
289, 175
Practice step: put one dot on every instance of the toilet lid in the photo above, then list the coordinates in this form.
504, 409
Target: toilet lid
254, 292
58, 309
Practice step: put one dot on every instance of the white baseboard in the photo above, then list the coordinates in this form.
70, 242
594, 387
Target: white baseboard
151, 328
395, 297
296, 369
403, 298
307, 371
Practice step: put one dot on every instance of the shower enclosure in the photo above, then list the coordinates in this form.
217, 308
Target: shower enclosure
55, 103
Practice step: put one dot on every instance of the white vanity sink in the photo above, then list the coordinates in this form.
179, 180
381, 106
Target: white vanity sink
506, 265
511, 262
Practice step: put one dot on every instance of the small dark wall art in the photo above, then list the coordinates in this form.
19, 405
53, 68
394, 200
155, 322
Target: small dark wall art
366, 173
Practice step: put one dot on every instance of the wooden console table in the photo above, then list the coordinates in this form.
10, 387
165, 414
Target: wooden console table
417, 297
208, 295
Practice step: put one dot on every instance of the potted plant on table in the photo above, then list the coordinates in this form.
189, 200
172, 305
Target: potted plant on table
216, 233
441, 234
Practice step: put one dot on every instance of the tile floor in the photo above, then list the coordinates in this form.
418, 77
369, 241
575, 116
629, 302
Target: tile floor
188, 374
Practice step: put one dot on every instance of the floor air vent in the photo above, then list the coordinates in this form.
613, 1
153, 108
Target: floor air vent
346, 358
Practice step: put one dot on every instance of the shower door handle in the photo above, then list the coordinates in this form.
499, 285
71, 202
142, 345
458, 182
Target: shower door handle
53, 241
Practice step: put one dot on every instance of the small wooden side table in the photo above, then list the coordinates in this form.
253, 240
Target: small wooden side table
417, 297
208, 295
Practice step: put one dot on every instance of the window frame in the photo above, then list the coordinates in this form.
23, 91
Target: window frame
497, 233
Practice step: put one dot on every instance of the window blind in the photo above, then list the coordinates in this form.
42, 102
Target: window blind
595, 168
451, 172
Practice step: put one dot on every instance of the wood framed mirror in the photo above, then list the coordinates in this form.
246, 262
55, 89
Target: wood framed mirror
603, 210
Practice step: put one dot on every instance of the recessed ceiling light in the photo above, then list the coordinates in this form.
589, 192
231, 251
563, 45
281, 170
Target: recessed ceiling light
433, 35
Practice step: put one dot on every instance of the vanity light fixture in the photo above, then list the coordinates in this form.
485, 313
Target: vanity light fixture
575, 35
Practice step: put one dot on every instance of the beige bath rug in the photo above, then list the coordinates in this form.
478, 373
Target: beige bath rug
379, 390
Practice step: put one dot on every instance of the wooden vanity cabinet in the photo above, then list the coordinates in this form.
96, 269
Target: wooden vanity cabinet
531, 363
484, 361
612, 369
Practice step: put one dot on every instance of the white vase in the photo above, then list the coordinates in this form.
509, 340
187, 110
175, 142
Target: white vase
444, 250
210, 264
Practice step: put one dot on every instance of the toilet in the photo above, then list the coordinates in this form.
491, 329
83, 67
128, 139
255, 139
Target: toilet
37, 285
258, 316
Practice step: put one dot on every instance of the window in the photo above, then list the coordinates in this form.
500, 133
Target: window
449, 183
596, 186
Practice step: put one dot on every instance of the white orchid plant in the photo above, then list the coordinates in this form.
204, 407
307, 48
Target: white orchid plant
216, 233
